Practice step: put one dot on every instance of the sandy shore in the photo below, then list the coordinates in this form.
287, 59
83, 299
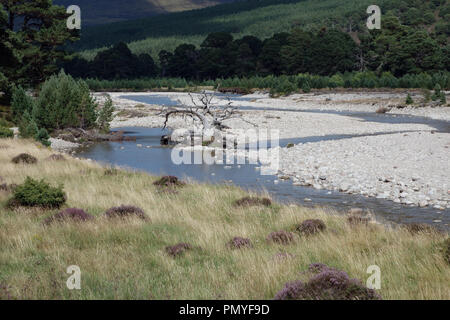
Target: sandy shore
404, 162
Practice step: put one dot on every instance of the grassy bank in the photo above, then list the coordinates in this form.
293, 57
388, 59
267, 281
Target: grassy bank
127, 258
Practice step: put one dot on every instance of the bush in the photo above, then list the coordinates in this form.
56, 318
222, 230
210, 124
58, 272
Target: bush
33, 193
71, 214
56, 157
24, 158
416, 228
447, 250
42, 136
437, 92
306, 88
253, 201
282, 237
356, 220
239, 243
178, 249
309, 227
6, 132
169, 181
126, 211
409, 99
5, 123
327, 284
426, 95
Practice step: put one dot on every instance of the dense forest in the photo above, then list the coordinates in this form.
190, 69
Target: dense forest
396, 48
262, 19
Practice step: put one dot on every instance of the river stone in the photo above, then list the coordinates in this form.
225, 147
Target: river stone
423, 203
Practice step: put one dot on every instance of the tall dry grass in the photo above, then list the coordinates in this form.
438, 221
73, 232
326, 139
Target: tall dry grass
127, 259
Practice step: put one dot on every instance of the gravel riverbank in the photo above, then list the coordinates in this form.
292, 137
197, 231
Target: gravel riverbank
406, 162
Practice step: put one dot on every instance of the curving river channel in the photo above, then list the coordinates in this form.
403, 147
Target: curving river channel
146, 154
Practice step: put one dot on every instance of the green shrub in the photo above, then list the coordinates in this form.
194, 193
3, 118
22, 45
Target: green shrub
409, 99
33, 193
42, 136
426, 95
6, 132
306, 87
5, 123
437, 93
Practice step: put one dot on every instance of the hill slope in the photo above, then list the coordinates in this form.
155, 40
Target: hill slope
261, 18
106, 11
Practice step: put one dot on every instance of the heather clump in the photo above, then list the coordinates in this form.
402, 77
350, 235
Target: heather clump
111, 172
416, 228
447, 250
291, 291
355, 220
178, 249
8, 187
253, 201
281, 237
56, 157
358, 217
327, 284
70, 214
239, 243
5, 293
24, 158
169, 181
280, 256
317, 267
125, 211
311, 226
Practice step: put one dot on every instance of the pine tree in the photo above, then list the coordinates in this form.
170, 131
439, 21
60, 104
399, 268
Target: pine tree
105, 115
27, 126
65, 102
36, 32
9, 56
20, 103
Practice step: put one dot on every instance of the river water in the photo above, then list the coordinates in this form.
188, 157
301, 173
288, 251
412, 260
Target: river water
146, 154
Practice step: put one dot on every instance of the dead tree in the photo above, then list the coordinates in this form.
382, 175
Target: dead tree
211, 116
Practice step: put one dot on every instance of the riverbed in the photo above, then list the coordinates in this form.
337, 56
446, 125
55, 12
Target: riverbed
395, 164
